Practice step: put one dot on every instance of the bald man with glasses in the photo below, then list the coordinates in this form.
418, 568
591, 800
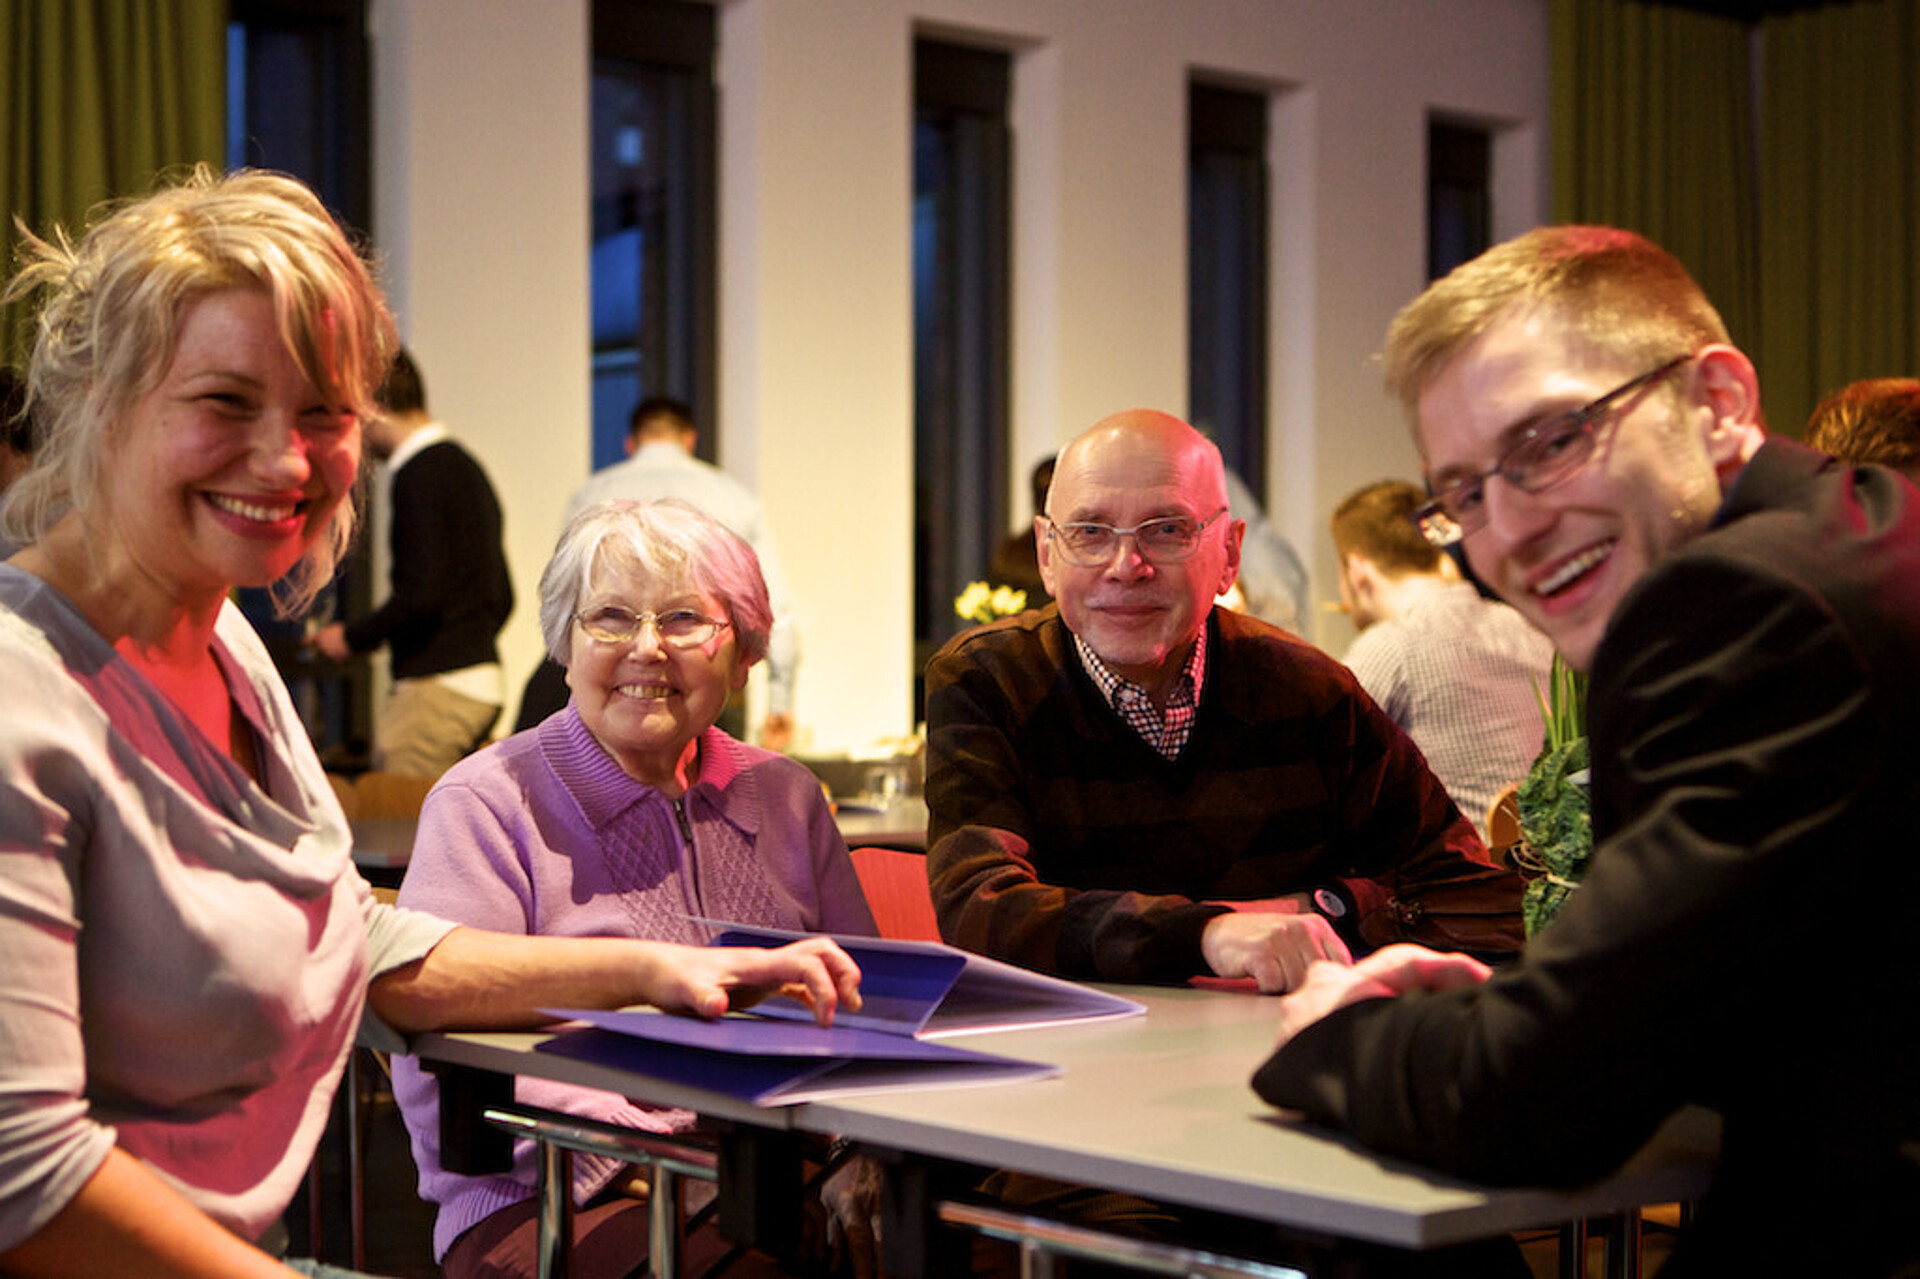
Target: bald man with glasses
1748, 614
1136, 785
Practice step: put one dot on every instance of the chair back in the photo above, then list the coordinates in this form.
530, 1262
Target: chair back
895, 883
379, 794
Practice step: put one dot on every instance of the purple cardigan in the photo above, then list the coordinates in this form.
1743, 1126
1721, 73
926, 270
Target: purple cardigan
543, 833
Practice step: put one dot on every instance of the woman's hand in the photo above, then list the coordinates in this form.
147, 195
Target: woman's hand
708, 980
500, 981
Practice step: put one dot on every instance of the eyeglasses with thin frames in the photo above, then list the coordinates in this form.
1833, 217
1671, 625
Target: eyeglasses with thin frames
1545, 455
676, 627
1166, 540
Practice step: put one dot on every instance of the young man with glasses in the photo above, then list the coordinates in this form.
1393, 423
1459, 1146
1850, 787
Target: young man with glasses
1135, 785
1748, 613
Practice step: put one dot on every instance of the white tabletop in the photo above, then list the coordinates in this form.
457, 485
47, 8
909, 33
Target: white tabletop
1160, 1106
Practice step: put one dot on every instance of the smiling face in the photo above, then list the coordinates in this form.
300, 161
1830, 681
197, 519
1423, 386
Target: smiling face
1141, 617
228, 470
646, 702
1565, 557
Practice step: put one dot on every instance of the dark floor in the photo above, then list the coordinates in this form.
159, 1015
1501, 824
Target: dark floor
398, 1224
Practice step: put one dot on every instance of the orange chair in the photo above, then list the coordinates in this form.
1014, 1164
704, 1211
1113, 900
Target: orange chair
895, 883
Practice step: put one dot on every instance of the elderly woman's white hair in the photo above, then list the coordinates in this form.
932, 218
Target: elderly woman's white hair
109, 321
666, 541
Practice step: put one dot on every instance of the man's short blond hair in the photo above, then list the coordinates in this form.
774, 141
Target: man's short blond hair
1619, 293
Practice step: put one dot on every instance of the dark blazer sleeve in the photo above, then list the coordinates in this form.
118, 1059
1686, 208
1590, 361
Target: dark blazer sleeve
1737, 754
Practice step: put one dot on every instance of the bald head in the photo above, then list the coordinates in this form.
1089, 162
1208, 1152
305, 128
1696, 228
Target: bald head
1156, 442
1141, 608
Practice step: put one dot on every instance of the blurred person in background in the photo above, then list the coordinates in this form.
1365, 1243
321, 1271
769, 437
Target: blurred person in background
1872, 422
451, 592
1462, 674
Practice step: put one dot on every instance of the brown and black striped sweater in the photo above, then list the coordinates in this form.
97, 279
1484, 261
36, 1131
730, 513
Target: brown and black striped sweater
1059, 840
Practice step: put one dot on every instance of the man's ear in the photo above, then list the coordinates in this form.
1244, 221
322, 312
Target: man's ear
1363, 579
1729, 390
1043, 555
1230, 572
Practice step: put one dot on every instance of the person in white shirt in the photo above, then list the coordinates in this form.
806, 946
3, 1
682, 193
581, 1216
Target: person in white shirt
661, 436
1461, 673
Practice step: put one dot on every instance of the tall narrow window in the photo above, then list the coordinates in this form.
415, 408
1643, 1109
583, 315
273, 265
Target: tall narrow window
1459, 195
653, 214
1227, 273
297, 101
961, 185
297, 96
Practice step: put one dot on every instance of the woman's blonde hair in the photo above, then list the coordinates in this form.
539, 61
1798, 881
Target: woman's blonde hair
108, 324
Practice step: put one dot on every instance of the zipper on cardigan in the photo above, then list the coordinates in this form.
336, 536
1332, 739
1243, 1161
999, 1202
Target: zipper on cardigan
692, 877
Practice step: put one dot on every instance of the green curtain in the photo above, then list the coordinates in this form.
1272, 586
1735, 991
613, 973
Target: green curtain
98, 97
1797, 206
1652, 131
1840, 201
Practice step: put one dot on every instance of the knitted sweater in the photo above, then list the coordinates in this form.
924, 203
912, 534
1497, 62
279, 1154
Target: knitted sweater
544, 834
1060, 840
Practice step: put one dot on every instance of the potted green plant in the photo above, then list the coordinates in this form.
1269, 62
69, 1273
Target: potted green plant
1556, 826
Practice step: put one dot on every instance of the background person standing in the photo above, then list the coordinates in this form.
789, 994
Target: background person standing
451, 590
660, 441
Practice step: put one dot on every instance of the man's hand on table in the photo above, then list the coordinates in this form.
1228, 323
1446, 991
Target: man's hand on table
708, 980
1273, 942
1389, 971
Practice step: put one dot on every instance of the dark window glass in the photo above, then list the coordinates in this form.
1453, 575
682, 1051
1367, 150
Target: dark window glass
1459, 195
297, 102
653, 214
297, 96
1227, 273
961, 186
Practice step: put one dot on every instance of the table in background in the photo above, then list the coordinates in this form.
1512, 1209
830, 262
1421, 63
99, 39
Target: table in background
900, 822
1157, 1106
382, 847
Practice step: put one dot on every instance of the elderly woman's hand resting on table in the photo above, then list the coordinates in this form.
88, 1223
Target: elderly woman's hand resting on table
712, 980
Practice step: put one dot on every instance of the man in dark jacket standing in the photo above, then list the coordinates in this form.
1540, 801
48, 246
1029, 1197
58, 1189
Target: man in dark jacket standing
451, 590
1748, 612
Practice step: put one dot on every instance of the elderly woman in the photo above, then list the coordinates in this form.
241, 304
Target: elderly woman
627, 813
186, 950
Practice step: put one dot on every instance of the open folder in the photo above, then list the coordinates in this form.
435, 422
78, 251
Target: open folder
931, 990
911, 992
